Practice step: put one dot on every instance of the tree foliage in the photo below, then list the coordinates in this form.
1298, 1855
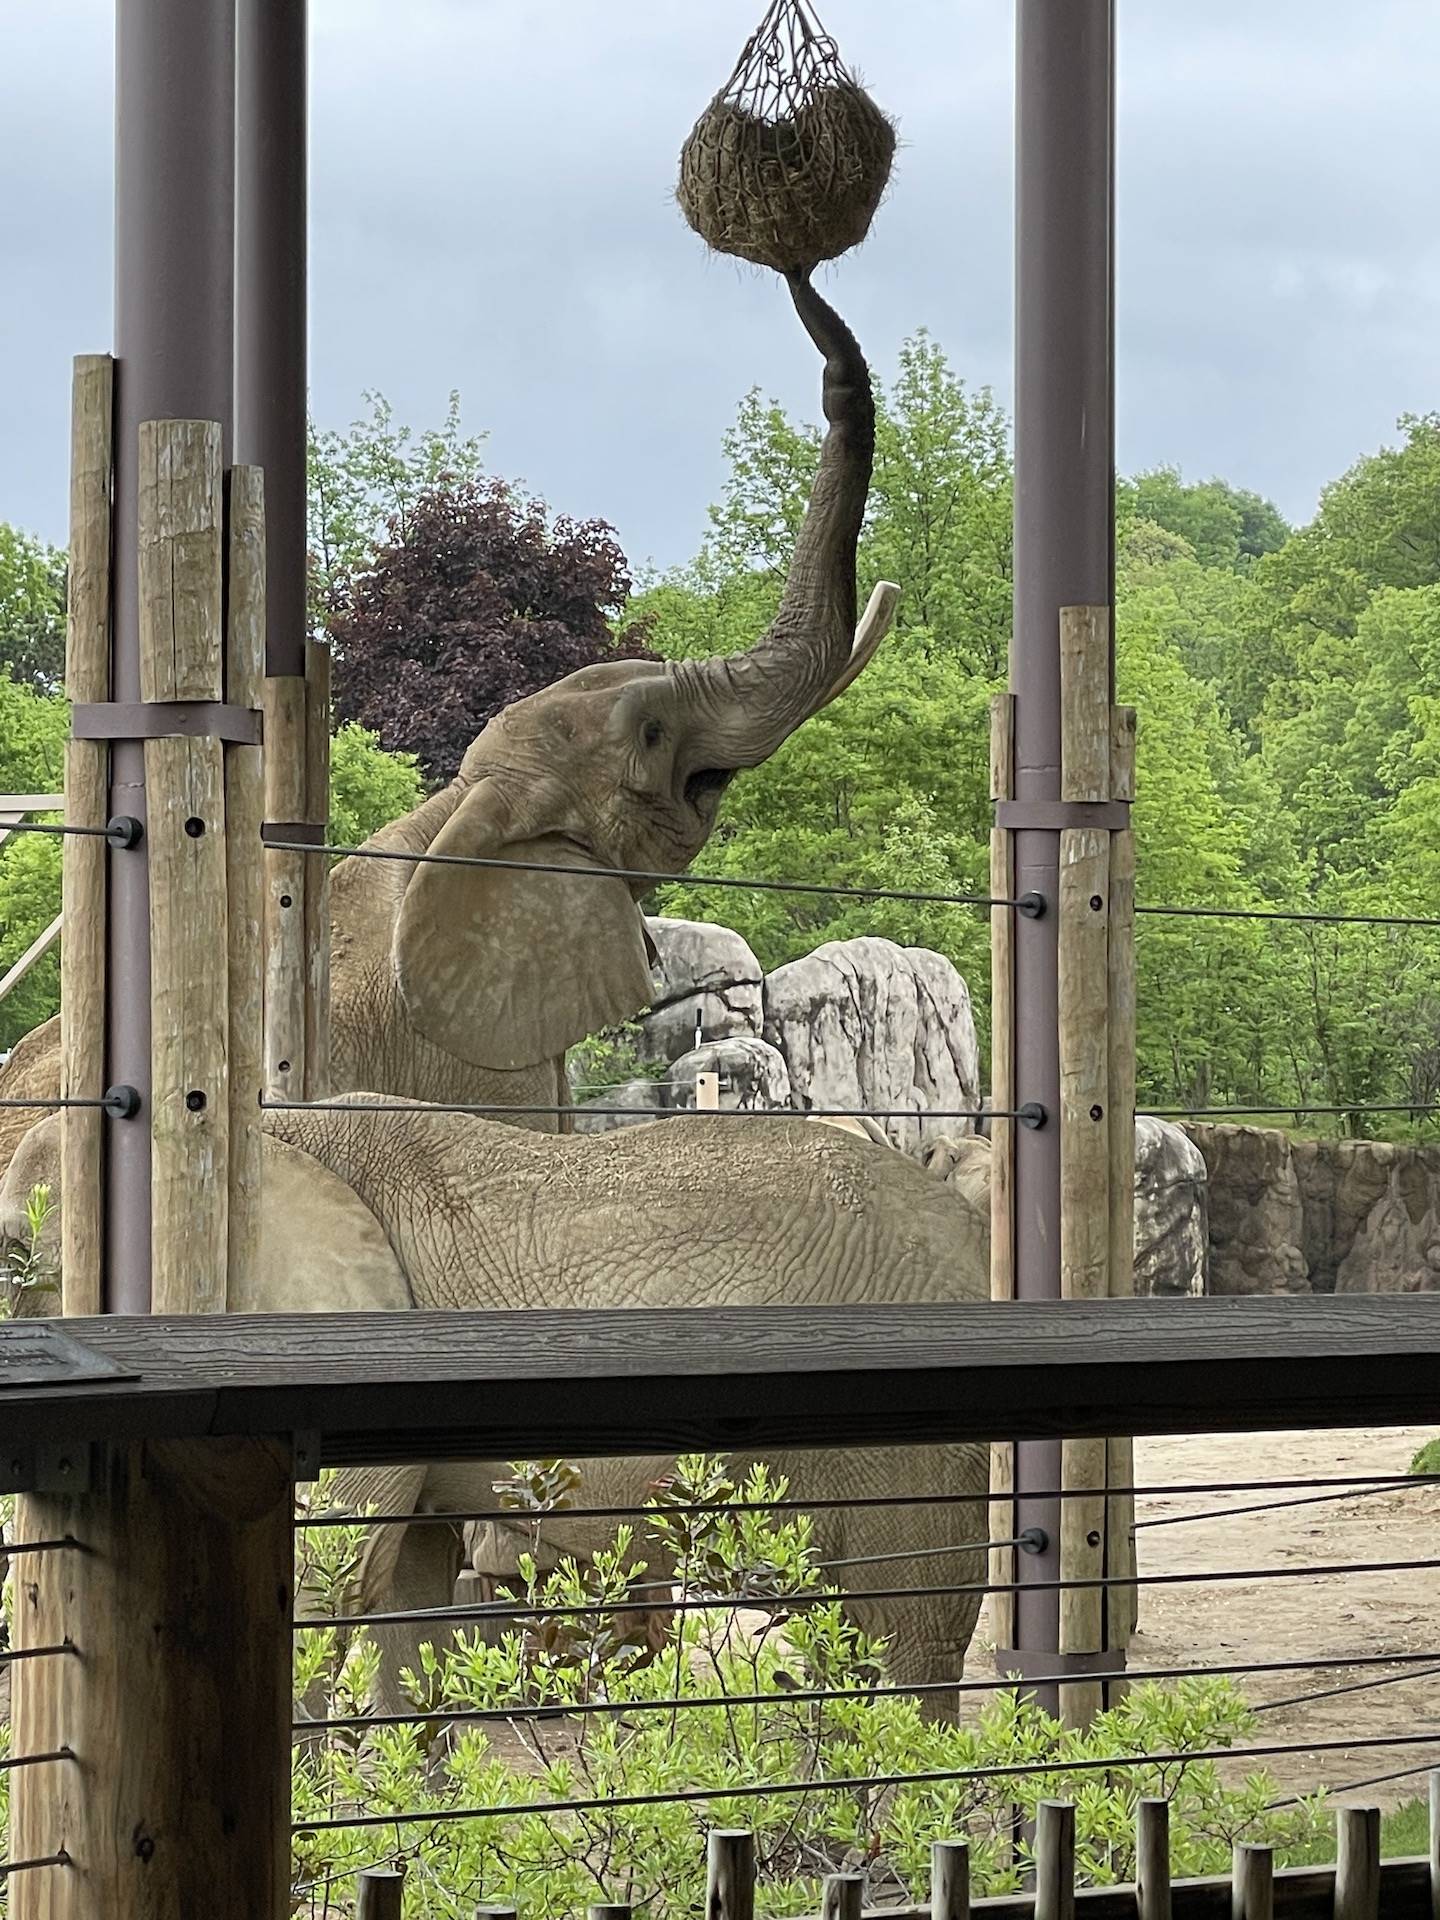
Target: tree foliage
1288, 687
478, 599
32, 610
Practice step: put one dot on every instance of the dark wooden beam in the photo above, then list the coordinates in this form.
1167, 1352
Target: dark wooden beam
502, 1385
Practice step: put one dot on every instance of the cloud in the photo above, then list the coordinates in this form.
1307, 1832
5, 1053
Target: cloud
491, 210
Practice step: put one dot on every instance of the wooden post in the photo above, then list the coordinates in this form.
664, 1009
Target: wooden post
380, 1894
950, 1880
285, 878
317, 876
1152, 1860
607, 1911
843, 1896
1357, 1863
181, 658
1252, 1889
1055, 1861
244, 861
729, 1875
177, 1706
1121, 1602
83, 875
1084, 1040
1002, 1142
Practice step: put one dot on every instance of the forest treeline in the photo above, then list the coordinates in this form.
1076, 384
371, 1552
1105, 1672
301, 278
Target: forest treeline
1287, 682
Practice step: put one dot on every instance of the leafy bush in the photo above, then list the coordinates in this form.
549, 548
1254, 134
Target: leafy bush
1427, 1458
604, 1062
764, 1759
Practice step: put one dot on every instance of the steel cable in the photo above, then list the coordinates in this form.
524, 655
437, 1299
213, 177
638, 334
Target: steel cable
1354, 1686
1001, 1683
521, 1610
11, 1762
637, 874
757, 1790
488, 1110
57, 1859
1376, 1483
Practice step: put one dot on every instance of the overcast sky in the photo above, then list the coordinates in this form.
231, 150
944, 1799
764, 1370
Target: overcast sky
491, 210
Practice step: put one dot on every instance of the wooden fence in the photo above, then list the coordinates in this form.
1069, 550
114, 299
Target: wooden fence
168, 1447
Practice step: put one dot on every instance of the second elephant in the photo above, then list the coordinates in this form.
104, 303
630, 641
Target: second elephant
381, 1211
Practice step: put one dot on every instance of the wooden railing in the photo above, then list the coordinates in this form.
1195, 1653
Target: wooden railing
167, 1449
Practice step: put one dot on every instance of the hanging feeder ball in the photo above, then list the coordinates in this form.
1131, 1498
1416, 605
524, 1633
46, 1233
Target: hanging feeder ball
787, 165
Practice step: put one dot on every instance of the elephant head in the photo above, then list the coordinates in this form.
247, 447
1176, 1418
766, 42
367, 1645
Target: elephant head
623, 765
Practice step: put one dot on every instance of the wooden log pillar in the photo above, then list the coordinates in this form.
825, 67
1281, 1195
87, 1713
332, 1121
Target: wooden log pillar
83, 861
1002, 1144
317, 878
285, 877
245, 866
297, 893
729, 1874
181, 553
176, 1707
1094, 913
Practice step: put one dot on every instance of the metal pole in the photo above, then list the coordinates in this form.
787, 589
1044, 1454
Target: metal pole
174, 284
270, 315
1064, 556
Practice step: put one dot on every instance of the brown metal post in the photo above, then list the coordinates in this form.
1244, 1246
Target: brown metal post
270, 279
174, 286
1064, 557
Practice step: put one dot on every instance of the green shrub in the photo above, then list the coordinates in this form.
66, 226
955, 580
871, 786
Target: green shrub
653, 1855
1426, 1459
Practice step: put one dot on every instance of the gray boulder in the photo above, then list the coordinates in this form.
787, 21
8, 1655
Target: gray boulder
1171, 1211
753, 1076
866, 1024
705, 977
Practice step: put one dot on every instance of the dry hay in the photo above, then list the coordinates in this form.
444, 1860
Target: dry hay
787, 164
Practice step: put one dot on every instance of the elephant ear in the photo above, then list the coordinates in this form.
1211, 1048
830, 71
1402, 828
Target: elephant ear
506, 968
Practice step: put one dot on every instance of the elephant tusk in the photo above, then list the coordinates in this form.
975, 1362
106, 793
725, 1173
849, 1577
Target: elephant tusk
874, 624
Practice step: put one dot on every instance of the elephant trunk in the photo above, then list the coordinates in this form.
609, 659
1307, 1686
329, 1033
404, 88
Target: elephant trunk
749, 703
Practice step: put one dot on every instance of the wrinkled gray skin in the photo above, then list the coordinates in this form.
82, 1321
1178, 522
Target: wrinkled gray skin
468, 984
383, 1211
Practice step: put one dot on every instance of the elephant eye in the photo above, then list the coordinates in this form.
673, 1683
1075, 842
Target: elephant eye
652, 733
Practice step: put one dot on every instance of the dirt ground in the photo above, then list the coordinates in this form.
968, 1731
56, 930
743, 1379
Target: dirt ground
1335, 1617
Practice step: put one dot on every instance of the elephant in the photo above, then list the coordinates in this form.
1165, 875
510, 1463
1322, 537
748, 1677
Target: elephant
385, 1210
464, 984
467, 984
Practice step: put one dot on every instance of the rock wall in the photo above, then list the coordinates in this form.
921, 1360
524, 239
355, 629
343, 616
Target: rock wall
1319, 1216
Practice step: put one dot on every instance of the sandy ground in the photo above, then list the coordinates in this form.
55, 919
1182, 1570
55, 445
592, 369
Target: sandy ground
1328, 1616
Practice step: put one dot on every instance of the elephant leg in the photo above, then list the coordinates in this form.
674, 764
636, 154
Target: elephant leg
889, 1548
405, 1569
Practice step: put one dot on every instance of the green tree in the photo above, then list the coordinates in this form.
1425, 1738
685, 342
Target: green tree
32, 610
941, 508
368, 787
363, 486
1224, 526
33, 727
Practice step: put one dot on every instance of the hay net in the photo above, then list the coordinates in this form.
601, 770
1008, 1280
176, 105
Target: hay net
786, 61
788, 163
